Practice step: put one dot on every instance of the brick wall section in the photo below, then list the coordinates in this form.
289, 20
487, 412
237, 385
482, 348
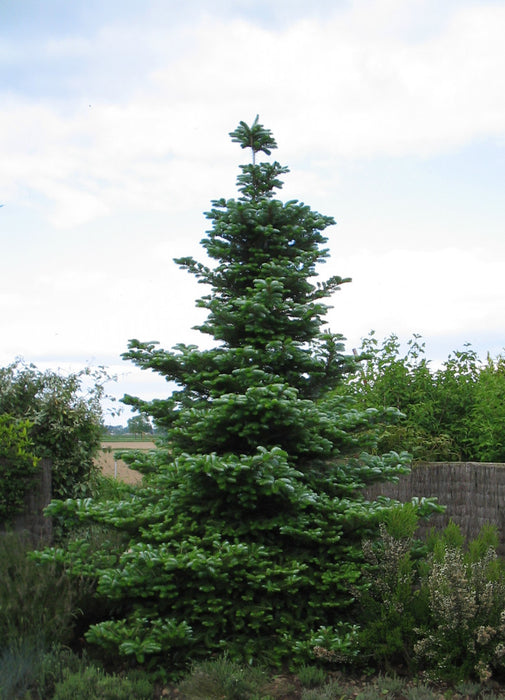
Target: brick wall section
473, 493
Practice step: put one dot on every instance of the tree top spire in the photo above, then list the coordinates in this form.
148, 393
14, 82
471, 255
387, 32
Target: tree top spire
256, 137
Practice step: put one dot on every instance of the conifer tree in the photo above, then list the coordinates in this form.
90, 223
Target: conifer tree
246, 534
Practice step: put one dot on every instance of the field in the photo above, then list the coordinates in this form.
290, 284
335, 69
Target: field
112, 467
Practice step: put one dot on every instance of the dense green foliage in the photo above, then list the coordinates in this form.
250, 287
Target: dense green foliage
246, 534
18, 465
65, 418
454, 413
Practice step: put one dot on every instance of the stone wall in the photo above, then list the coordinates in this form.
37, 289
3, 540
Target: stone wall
473, 493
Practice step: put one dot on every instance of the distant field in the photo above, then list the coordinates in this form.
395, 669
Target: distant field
127, 438
111, 467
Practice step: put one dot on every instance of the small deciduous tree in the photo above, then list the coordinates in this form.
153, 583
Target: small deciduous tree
246, 535
138, 425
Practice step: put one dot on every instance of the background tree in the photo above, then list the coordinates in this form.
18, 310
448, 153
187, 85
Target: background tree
455, 412
246, 534
138, 425
65, 418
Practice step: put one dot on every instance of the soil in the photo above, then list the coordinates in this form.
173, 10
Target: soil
288, 687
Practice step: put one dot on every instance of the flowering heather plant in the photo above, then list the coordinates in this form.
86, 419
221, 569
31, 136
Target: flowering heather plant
392, 605
465, 634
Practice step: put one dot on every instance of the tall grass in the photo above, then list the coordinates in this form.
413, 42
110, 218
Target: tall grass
36, 598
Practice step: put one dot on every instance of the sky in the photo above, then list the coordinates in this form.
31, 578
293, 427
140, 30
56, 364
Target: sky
114, 123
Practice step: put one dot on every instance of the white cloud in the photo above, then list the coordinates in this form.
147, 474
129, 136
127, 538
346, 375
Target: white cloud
349, 86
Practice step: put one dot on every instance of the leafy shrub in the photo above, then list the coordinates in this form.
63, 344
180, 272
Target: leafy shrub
421, 692
439, 607
453, 413
310, 676
18, 465
329, 691
65, 416
110, 489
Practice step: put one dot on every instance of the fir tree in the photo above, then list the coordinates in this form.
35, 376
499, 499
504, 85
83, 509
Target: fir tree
246, 534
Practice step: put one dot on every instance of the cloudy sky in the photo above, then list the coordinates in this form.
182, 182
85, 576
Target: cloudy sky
114, 121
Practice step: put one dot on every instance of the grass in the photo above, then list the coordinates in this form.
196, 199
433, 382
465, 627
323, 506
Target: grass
29, 672
215, 680
37, 601
226, 680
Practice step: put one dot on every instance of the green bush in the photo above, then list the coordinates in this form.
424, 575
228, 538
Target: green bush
332, 690
65, 417
310, 676
454, 413
110, 489
392, 604
440, 608
18, 465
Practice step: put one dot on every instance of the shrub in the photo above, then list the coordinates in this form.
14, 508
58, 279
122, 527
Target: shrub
330, 691
464, 636
453, 413
18, 465
438, 607
65, 420
392, 604
310, 676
